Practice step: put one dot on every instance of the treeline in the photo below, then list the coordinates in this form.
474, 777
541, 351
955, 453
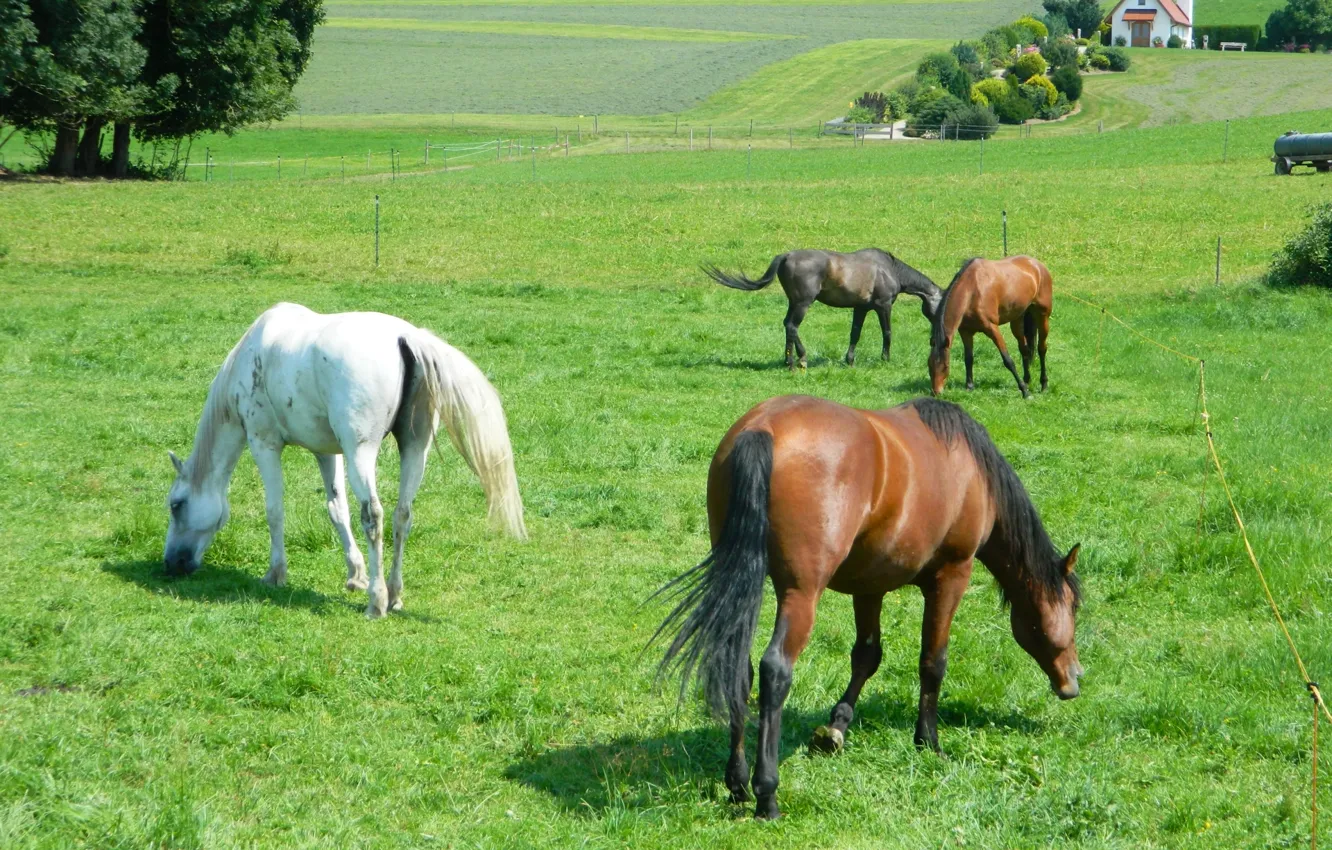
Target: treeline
160, 70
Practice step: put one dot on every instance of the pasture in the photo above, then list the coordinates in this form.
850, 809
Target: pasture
509, 704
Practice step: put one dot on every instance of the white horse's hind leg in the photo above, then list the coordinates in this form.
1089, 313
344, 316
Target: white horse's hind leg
335, 495
269, 461
413, 451
361, 474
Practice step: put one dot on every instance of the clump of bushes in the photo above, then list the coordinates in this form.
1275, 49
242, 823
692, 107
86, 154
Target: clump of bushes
1099, 61
1068, 81
1038, 29
1118, 57
1060, 53
1174, 41
873, 102
1306, 260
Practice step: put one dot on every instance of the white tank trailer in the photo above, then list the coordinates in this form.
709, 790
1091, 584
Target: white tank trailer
1292, 149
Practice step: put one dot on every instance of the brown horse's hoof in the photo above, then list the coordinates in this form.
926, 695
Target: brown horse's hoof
827, 739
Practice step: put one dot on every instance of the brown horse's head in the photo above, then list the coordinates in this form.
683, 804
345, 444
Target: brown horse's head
940, 353
1043, 625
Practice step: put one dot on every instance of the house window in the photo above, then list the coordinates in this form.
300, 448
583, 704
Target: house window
1142, 2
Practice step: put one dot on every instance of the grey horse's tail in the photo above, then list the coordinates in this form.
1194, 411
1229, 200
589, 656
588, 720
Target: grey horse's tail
740, 281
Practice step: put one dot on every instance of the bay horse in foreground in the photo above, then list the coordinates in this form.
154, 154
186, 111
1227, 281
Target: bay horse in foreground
338, 385
869, 279
815, 495
984, 296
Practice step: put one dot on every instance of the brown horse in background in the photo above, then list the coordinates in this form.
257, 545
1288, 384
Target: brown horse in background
984, 295
818, 495
869, 279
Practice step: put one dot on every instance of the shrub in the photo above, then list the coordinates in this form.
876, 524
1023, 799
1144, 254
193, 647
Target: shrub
1058, 109
1100, 61
924, 97
1082, 42
1061, 53
931, 115
965, 53
1119, 59
860, 115
896, 105
1300, 22
992, 90
875, 102
1174, 41
972, 121
1068, 81
1040, 91
940, 66
1022, 34
1037, 28
1013, 110
959, 85
994, 45
1056, 25
1306, 260
1030, 65
1120, 41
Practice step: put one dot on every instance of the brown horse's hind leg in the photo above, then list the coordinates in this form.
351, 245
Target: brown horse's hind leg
1026, 346
795, 314
943, 591
993, 333
1042, 331
795, 620
857, 322
865, 658
737, 769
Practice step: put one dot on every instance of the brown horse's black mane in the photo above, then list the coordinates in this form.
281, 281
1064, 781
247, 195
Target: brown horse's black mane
936, 327
1018, 523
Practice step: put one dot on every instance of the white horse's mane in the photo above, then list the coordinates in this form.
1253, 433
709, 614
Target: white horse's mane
217, 411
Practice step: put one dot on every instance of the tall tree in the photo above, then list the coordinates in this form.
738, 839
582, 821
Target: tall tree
1301, 22
78, 68
1082, 15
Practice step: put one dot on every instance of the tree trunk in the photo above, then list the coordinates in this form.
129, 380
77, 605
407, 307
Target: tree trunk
120, 149
90, 149
66, 146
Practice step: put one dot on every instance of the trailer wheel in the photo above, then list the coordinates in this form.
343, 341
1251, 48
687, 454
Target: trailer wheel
1282, 165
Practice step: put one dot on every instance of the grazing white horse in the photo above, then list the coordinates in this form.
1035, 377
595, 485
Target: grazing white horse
338, 385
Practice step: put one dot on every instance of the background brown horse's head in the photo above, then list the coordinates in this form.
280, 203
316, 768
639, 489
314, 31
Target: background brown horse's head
1043, 624
940, 354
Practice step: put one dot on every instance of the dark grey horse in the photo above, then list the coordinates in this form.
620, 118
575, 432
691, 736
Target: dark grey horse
869, 279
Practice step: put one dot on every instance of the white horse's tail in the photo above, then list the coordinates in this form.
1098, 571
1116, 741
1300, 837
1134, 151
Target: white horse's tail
471, 412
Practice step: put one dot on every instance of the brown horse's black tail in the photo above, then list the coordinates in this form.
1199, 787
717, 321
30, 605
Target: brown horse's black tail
1029, 326
720, 598
739, 281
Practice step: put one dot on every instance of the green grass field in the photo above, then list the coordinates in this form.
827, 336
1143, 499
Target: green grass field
509, 704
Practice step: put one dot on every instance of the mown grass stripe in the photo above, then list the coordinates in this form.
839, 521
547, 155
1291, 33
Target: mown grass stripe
554, 30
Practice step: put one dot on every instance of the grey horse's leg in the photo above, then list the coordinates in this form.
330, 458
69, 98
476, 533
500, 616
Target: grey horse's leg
885, 311
857, 322
795, 314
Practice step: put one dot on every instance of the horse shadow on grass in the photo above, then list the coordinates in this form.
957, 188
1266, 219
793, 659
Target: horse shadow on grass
635, 772
218, 583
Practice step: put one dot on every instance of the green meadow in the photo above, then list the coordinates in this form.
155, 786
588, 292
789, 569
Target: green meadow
512, 702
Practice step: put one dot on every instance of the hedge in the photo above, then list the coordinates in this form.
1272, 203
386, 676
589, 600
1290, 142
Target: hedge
1247, 33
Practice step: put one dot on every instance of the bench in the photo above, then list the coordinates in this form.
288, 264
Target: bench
1231, 45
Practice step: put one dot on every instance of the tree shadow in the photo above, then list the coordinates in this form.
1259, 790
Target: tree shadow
638, 772
218, 583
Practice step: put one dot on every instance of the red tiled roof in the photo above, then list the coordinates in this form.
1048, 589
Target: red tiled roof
1176, 14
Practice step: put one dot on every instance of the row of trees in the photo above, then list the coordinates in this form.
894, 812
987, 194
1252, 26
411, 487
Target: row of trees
157, 69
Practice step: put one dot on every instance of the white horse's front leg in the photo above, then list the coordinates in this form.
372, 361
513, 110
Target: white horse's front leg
361, 473
335, 496
269, 461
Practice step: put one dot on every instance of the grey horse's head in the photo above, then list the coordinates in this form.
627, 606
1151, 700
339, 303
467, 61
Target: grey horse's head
198, 510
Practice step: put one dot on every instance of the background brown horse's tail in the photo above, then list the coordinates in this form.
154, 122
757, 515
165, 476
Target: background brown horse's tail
1029, 326
739, 281
719, 599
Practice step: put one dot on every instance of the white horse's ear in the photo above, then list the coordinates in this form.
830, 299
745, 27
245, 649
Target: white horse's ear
175, 461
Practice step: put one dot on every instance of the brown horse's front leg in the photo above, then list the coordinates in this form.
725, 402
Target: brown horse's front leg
865, 658
993, 333
942, 591
969, 351
795, 620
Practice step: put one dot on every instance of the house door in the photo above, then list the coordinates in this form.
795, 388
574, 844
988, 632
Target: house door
1141, 32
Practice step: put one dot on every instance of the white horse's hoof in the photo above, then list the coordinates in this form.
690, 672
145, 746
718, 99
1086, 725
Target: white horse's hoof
356, 584
275, 577
395, 605
373, 613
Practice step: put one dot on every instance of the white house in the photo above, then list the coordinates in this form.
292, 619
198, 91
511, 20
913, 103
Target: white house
1141, 22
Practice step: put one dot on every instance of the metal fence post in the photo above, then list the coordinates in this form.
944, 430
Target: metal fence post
709, 137
427, 153
626, 141
208, 156
279, 166
691, 139
749, 161
1225, 146
376, 231
344, 168
1005, 233
1218, 261
982, 155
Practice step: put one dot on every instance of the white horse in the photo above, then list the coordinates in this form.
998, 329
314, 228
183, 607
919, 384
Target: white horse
338, 385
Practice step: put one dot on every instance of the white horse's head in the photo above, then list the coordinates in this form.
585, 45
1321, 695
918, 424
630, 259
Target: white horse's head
197, 511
